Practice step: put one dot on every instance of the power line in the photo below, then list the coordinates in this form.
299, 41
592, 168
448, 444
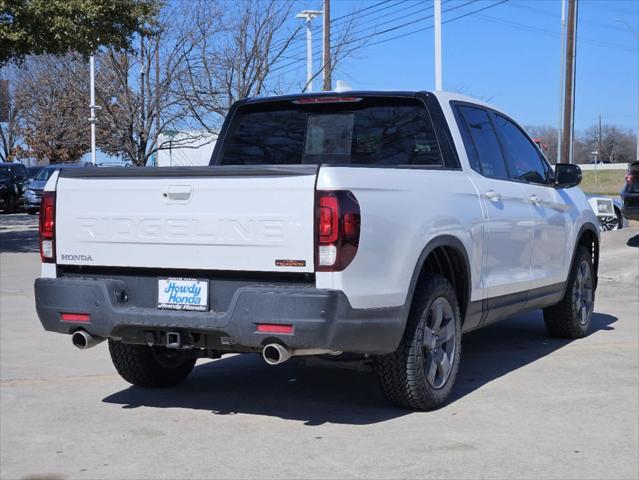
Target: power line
551, 33
375, 32
407, 33
335, 22
411, 23
299, 51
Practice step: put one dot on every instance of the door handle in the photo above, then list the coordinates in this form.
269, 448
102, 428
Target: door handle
493, 196
534, 199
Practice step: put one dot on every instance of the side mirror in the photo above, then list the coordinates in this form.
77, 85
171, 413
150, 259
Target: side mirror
567, 175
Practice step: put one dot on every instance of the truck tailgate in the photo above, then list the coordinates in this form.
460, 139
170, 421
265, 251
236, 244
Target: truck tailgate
206, 218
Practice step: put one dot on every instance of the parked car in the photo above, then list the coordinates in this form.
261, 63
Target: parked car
608, 212
33, 171
383, 224
630, 193
33, 194
13, 181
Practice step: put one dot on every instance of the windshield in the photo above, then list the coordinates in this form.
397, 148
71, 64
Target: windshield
4, 172
362, 131
44, 174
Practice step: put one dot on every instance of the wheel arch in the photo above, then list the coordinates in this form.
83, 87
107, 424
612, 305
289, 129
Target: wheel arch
588, 237
447, 256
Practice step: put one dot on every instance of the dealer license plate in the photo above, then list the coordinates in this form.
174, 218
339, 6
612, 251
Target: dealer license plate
183, 294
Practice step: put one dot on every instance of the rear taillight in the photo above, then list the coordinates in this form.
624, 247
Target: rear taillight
337, 230
47, 228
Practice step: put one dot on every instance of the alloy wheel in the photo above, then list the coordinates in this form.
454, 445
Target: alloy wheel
439, 342
582, 294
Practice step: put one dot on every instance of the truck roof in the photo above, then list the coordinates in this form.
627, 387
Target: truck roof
442, 96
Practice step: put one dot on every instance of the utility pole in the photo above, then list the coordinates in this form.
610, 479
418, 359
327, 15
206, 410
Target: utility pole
309, 15
326, 57
438, 44
93, 119
599, 143
569, 95
562, 60
157, 94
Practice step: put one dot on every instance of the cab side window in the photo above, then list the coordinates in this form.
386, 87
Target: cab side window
480, 140
522, 157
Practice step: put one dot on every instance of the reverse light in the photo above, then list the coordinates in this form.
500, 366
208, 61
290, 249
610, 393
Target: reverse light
337, 230
47, 228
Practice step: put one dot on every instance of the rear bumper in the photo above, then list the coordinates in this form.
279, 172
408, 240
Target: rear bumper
321, 319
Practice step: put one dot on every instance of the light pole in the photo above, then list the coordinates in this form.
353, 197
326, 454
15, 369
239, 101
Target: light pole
438, 45
309, 15
93, 119
636, 33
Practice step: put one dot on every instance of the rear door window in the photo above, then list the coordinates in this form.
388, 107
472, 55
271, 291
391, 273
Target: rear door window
481, 142
361, 131
523, 159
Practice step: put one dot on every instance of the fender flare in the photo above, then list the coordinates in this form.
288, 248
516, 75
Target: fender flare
439, 241
586, 227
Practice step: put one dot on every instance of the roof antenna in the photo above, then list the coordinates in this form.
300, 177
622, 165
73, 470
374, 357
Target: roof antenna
342, 86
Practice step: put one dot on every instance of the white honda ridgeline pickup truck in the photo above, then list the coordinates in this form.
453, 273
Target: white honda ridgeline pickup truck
383, 224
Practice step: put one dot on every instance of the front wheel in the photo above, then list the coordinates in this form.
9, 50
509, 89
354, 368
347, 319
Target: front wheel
421, 373
146, 366
571, 317
609, 224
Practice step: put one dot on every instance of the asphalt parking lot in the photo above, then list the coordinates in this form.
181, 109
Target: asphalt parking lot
525, 405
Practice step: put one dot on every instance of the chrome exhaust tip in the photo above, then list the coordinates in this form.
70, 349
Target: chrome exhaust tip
274, 354
84, 340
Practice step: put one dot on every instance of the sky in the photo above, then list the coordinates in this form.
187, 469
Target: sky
508, 54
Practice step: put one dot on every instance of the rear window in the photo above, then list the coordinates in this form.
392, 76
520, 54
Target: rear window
44, 174
363, 131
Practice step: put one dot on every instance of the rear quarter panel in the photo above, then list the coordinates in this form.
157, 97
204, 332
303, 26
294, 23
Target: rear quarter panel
402, 210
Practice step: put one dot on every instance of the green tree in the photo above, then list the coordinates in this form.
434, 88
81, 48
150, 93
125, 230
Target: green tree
36, 27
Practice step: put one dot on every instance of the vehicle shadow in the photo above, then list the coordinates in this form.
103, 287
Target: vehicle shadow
18, 233
633, 241
316, 395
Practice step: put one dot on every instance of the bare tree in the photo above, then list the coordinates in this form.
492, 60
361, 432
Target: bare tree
137, 92
53, 107
238, 43
617, 144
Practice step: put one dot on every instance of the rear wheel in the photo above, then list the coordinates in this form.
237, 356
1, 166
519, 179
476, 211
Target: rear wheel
571, 317
150, 366
10, 204
421, 373
32, 211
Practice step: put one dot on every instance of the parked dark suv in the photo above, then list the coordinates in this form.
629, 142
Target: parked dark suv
630, 193
13, 182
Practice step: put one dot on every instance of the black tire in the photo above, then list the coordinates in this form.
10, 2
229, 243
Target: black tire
32, 211
619, 218
150, 367
10, 204
568, 319
404, 375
